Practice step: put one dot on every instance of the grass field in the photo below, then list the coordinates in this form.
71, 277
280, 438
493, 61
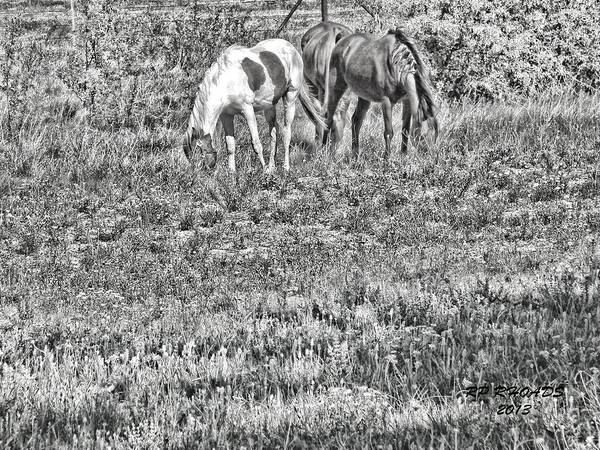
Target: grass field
147, 304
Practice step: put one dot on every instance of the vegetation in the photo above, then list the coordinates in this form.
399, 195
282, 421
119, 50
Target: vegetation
495, 49
145, 303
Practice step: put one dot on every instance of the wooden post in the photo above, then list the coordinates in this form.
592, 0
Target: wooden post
73, 20
288, 17
324, 11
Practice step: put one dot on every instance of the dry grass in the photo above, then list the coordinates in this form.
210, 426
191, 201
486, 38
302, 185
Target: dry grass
145, 304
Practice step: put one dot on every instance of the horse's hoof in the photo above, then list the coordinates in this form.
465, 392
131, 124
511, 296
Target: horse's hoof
270, 170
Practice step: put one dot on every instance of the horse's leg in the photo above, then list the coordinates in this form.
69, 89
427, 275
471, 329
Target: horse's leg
227, 121
410, 112
388, 133
357, 120
289, 112
320, 100
248, 112
406, 118
337, 89
332, 104
339, 118
271, 116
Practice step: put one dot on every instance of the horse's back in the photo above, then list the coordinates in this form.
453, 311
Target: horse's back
364, 43
263, 74
362, 60
324, 28
357, 49
281, 48
317, 45
310, 34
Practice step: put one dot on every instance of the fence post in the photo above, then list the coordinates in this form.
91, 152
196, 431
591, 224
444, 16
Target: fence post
324, 11
73, 19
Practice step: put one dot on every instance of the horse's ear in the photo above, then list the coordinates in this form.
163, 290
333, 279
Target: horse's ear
195, 133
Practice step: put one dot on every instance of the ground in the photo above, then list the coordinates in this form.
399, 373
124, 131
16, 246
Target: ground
146, 303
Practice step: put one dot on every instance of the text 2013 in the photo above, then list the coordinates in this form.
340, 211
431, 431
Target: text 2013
523, 409
515, 394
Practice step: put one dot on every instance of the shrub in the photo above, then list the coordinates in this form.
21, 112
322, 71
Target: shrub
21, 62
128, 68
496, 48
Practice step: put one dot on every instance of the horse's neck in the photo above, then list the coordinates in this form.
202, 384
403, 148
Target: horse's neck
211, 107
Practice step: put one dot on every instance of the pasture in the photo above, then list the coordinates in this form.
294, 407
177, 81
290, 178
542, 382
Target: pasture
145, 303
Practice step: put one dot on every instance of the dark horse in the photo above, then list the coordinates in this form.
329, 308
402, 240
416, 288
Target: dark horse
317, 45
386, 70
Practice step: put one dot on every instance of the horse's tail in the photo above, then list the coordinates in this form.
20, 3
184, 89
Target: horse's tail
326, 81
427, 106
329, 50
308, 103
427, 109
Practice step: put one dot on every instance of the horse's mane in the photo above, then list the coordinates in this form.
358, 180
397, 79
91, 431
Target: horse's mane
407, 41
427, 107
211, 77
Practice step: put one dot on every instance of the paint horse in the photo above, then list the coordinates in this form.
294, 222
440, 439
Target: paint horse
317, 45
385, 70
245, 80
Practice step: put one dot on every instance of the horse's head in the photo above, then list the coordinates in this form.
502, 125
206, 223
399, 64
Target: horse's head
196, 143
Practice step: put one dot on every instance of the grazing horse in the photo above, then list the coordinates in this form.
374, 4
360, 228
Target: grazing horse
244, 80
385, 70
317, 45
